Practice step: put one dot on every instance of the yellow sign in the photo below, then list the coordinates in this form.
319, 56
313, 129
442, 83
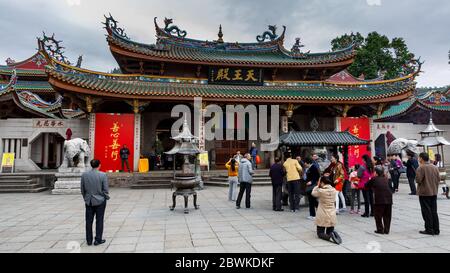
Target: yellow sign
143, 165
431, 155
204, 160
8, 162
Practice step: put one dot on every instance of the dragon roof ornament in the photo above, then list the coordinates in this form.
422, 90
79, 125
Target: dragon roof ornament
53, 48
169, 29
111, 25
270, 34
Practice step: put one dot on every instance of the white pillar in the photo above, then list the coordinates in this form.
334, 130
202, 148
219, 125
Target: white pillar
372, 136
58, 154
45, 155
92, 133
137, 141
7, 144
18, 146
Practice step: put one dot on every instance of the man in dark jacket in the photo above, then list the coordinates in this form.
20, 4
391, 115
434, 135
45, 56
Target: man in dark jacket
124, 154
411, 166
276, 174
428, 178
312, 178
95, 191
383, 201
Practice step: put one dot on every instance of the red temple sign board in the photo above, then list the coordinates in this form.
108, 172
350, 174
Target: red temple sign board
112, 131
359, 127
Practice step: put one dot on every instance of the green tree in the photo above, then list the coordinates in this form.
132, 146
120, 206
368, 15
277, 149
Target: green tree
376, 55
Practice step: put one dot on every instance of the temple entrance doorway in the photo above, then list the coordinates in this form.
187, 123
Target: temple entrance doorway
47, 150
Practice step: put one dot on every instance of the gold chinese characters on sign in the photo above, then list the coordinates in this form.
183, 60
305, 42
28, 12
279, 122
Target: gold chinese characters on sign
237, 76
356, 132
115, 146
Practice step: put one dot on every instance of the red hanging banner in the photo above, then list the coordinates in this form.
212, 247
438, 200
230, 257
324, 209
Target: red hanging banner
112, 131
359, 127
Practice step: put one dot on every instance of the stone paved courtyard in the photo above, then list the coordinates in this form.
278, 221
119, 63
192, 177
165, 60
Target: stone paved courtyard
140, 221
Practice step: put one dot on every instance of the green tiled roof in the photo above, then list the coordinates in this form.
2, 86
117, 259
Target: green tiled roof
279, 57
419, 100
5, 70
320, 138
397, 109
173, 48
125, 86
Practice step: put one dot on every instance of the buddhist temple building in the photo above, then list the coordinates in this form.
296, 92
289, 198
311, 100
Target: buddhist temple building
134, 107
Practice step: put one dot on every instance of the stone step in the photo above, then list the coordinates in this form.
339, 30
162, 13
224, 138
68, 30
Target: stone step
36, 190
164, 179
140, 182
226, 184
14, 177
260, 176
150, 186
7, 175
225, 179
17, 181
15, 186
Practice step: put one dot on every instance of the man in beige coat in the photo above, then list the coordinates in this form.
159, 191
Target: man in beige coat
427, 178
326, 211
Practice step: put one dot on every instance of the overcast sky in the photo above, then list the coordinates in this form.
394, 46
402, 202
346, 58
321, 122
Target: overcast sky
425, 25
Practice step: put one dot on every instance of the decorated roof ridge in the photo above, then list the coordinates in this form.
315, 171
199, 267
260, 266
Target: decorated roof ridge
169, 43
344, 76
5, 70
270, 58
36, 62
52, 49
166, 34
39, 102
351, 49
30, 107
405, 106
426, 92
36, 101
57, 65
10, 85
101, 86
21, 101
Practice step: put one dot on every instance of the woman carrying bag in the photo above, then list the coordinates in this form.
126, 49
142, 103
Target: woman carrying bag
233, 167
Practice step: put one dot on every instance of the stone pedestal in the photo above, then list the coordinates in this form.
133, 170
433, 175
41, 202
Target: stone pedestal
68, 182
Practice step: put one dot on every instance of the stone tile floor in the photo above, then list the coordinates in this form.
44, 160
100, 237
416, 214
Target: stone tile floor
140, 221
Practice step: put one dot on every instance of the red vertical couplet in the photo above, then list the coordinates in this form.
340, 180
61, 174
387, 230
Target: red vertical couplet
112, 131
359, 127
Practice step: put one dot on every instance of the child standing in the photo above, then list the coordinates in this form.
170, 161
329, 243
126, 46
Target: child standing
356, 191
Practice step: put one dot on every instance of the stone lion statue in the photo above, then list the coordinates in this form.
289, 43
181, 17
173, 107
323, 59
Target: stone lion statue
403, 144
76, 154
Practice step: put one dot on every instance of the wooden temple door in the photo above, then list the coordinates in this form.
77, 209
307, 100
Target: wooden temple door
225, 149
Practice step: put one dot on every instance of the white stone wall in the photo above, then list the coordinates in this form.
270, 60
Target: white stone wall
408, 131
23, 128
